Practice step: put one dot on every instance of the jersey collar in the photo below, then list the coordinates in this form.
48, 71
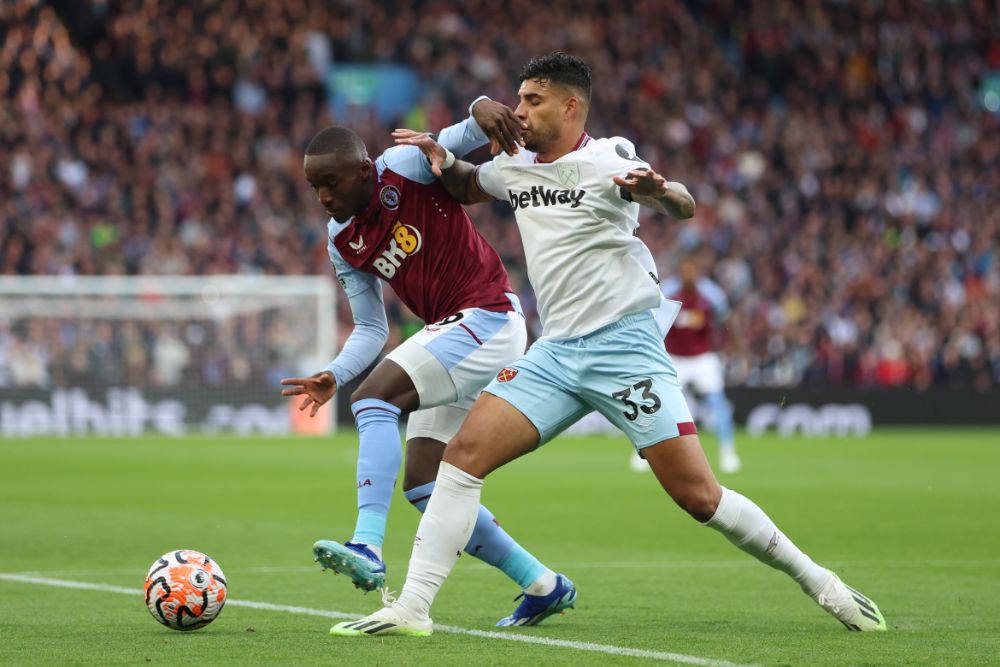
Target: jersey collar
580, 143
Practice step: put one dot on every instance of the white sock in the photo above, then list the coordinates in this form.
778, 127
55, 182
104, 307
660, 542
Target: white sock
543, 585
745, 525
444, 530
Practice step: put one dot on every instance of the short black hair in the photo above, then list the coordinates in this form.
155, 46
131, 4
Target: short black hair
559, 68
338, 140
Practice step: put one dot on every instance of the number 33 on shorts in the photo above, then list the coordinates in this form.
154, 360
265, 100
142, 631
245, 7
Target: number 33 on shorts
632, 408
649, 409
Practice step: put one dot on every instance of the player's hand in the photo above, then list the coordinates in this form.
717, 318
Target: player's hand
643, 182
500, 125
318, 389
432, 149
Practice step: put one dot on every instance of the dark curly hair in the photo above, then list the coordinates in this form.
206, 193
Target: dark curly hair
559, 68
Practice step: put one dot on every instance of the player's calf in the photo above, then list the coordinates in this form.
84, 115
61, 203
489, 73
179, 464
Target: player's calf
684, 473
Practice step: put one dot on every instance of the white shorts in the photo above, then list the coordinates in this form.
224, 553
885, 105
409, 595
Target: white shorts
702, 372
451, 361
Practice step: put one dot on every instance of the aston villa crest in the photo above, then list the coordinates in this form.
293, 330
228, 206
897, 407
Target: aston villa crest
389, 196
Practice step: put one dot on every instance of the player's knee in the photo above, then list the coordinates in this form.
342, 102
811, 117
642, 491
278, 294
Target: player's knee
462, 453
700, 501
386, 392
361, 393
366, 391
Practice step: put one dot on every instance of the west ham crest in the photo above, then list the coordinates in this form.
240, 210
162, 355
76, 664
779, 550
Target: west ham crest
506, 375
569, 174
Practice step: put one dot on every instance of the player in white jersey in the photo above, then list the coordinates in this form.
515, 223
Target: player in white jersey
576, 202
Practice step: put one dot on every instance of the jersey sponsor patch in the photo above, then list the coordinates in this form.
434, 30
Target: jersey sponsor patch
405, 241
389, 196
624, 154
690, 318
538, 196
506, 375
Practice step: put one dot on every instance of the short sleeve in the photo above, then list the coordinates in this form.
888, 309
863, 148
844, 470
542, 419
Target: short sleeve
407, 161
489, 179
617, 159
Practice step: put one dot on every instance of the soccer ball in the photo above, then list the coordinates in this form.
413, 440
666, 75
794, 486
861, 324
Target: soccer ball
185, 589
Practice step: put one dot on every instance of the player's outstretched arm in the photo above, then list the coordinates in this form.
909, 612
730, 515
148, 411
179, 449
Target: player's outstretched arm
371, 331
457, 176
653, 190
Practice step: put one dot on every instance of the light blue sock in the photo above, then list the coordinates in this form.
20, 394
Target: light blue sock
722, 416
490, 543
379, 456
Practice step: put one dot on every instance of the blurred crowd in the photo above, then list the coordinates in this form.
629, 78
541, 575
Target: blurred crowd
845, 160
191, 354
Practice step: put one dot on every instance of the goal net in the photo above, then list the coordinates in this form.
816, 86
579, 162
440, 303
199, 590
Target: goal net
169, 355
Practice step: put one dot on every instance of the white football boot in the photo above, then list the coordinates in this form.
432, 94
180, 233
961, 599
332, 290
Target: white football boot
857, 612
391, 620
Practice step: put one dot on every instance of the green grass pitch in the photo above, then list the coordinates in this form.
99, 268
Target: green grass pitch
910, 517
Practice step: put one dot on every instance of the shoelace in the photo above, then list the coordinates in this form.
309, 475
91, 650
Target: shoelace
388, 597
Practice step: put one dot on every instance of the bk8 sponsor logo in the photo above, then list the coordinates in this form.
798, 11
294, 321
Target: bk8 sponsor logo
405, 241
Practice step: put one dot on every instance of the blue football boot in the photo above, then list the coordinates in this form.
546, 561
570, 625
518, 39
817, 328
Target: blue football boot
536, 608
356, 561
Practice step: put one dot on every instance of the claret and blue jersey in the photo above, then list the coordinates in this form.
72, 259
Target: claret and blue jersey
416, 237
703, 309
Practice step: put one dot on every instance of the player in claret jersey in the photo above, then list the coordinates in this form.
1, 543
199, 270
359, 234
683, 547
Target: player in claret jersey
692, 342
392, 220
576, 201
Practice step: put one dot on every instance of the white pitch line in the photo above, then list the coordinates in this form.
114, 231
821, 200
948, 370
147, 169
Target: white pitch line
307, 611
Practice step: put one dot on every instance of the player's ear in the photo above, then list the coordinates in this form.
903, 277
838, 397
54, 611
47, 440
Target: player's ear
572, 107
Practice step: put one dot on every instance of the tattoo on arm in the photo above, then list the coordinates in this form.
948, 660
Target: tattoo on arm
674, 203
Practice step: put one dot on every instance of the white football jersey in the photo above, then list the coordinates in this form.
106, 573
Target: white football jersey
587, 266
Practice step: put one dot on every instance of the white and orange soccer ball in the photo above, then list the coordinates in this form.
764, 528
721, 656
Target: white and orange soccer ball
185, 589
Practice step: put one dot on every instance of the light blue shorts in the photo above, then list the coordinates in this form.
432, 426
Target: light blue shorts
621, 370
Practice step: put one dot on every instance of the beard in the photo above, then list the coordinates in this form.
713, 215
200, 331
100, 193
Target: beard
540, 139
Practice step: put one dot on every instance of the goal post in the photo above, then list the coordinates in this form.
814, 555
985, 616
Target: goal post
172, 355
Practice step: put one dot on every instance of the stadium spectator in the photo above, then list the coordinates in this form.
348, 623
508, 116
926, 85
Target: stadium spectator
844, 156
